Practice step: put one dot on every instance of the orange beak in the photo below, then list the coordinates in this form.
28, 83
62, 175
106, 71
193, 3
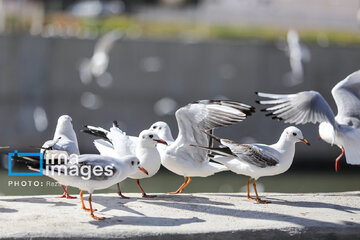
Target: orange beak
144, 170
305, 141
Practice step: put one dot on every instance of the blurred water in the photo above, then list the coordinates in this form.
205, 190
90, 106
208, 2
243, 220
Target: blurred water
227, 182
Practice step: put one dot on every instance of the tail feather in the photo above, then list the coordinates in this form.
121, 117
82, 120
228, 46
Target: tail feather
96, 131
224, 151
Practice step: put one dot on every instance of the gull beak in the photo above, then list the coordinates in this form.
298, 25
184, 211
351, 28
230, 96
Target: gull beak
144, 170
160, 141
304, 141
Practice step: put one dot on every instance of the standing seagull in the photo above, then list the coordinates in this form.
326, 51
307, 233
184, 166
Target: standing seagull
258, 160
184, 160
119, 144
64, 140
309, 106
90, 172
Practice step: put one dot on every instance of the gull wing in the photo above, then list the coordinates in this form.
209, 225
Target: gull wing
122, 143
251, 154
299, 108
106, 42
347, 97
205, 115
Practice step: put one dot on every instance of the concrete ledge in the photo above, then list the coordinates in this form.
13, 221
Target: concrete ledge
190, 216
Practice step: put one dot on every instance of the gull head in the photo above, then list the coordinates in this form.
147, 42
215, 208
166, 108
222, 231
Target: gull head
65, 120
134, 164
162, 129
149, 138
293, 134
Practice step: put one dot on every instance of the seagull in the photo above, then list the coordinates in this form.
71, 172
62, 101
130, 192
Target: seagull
119, 144
79, 172
257, 160
342, 130
98, 63
297, 54
64, 140
182, 159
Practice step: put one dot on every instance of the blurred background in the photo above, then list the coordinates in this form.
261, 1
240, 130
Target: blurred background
138, 61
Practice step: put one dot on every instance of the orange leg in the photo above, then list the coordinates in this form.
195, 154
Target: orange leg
92, 211
337, 161
180, 188
257, 196
82, 202
187, 183
248, 190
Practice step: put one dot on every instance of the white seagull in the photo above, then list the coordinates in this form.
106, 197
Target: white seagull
64, 140
184, 160
90, 172
309, 106
119, 144
297, 54
257, 160
98, 63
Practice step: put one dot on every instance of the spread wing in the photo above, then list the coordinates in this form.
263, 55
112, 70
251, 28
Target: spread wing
106, 42
300, 108
251, 153
122, 143
206, 115
347, 97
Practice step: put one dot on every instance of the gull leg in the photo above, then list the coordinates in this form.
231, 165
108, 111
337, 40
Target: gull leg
248, 190
187, 183
82, 202
180, 188
257, 196
68, 195
119, 192
144, 195
92, 211
337, 161
64, 194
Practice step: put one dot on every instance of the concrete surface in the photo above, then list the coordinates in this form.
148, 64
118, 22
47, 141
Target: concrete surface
190, 216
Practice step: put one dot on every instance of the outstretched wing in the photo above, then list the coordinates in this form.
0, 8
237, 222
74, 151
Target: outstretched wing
206, 115
106, 42
347, 97
300, 108
122, 143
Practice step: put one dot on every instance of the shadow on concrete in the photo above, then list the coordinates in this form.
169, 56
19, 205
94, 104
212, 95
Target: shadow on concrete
40, 200
8, 210
251, 214
145, 221
111, 202
309, 204
186, 198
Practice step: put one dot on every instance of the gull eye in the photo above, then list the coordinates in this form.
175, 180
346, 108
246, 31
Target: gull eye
151, 136
159, 128
132, 163
154, 127
294, 134
138, 163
